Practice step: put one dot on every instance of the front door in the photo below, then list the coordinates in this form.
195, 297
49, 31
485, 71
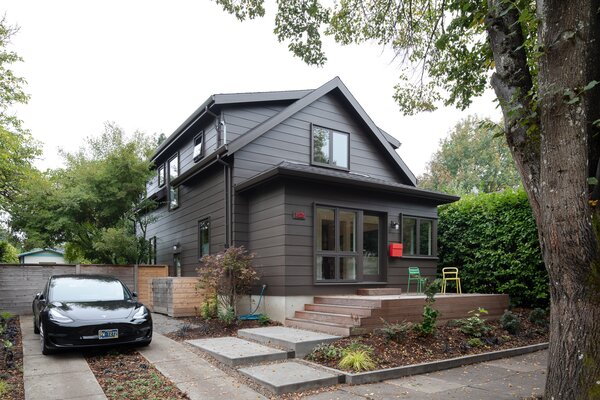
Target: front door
371, 247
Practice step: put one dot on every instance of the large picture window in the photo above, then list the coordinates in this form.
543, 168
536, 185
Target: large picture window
173, 191
203, 238
417, 236
330, 148
336, 254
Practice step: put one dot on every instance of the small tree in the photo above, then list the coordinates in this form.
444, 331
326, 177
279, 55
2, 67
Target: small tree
228, 275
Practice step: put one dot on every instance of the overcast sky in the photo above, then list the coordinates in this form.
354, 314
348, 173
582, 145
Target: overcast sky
147, 65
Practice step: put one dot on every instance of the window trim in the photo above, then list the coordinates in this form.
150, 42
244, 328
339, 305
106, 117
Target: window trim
312, 148
203, 220
202, 152
176, 156
433, 237
164, 177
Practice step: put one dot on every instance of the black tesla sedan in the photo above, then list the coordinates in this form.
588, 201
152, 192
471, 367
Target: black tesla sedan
78, 311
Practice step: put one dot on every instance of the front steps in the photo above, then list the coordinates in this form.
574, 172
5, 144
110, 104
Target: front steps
257, 353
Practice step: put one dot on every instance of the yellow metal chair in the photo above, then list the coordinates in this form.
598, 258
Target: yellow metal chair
450, 274
414, 274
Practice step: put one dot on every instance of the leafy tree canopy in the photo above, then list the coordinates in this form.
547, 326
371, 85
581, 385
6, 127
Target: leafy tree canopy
17, 147
472, 158
93, 203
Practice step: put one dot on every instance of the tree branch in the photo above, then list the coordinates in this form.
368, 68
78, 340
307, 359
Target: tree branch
513, 84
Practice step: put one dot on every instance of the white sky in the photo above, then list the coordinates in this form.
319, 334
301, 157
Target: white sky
148, 64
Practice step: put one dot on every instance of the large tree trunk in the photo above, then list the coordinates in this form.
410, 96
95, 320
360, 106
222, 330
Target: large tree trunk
553, 154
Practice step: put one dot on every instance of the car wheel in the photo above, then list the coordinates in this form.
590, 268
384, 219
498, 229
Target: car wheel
35, 326
45, 349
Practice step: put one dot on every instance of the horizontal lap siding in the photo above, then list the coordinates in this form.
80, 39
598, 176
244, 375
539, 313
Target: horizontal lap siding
290, 141
266, 235
299, 242
199, 198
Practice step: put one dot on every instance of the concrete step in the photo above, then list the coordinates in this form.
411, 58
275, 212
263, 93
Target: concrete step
342, 319
291, 376
234, 351
379, 291
319, 326
362, 301
300, 341
337, 309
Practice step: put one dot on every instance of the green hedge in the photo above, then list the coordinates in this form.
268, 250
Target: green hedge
492, 239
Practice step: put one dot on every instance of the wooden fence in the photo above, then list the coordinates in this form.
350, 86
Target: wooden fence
19, 283
176, 297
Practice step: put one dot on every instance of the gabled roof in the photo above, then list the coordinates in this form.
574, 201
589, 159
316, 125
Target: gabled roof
288, 169
37, 251
335, 84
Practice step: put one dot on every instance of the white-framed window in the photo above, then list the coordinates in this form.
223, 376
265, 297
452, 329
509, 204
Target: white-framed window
173, 173
330, 148
199, 146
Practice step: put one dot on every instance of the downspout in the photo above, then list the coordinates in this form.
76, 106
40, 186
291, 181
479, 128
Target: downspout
228, 208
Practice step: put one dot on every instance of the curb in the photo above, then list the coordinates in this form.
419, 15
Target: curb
399, 372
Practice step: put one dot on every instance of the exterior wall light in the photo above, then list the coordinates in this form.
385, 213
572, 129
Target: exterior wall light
394, 225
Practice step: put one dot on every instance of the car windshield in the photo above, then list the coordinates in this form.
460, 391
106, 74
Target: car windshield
84, 289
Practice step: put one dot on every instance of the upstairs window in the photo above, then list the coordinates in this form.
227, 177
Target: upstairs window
161, 175
199, 146
417, 236
330, 148
152, 250
173, 191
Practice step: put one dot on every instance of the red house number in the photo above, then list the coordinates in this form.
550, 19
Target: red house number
299, 215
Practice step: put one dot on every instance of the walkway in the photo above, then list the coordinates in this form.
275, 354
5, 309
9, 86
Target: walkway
60, 376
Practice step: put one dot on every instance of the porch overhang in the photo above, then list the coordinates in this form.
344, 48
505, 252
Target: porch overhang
323, 175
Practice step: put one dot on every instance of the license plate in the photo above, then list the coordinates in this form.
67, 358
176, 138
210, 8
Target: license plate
108, 333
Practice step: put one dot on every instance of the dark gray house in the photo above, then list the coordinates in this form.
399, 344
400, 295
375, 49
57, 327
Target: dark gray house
304, 179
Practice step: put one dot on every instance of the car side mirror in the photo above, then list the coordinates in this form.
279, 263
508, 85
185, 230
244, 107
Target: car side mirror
40, 297
134, 294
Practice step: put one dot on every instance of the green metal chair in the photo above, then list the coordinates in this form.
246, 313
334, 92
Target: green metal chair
414, 274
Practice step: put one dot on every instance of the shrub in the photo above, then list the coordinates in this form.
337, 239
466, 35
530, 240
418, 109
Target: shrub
4, 387
356, 346
264, 319
510, 322
357, 360
538, 316
227, 316
396, 332
209, 309
325, 350
227, 275
475, 326
475, 342
430, 314
493, 238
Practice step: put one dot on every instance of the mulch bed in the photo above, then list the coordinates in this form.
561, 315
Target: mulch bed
125, 374
447, 342
213, 328
11, 359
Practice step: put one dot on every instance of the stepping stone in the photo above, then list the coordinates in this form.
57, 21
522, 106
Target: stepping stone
233, 351
291, 376
298, 340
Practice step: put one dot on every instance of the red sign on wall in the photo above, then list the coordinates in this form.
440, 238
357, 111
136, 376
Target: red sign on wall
299, 215
395, 249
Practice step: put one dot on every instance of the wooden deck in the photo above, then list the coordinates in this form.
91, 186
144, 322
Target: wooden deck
358, 314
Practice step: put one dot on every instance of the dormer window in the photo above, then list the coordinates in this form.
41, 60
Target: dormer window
330, 148
199, 146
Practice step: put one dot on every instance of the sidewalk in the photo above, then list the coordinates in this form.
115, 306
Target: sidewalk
56, 377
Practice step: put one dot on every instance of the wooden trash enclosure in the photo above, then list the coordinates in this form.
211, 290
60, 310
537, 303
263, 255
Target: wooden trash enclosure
176, 296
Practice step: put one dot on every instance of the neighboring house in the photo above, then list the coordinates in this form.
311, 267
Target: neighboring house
42, 256
304, 179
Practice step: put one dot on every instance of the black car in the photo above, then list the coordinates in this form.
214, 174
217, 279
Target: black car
79, 311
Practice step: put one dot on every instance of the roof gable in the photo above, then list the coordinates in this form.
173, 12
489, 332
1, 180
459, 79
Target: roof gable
335, 84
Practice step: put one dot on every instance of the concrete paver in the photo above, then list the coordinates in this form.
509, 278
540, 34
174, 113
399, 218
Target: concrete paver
193, 374
55, 377
234, 351
298, 340
290, 376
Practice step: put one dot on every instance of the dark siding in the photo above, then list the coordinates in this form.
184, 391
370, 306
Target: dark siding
290, 141
240, 119
266, 235
200, 198
301, 196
